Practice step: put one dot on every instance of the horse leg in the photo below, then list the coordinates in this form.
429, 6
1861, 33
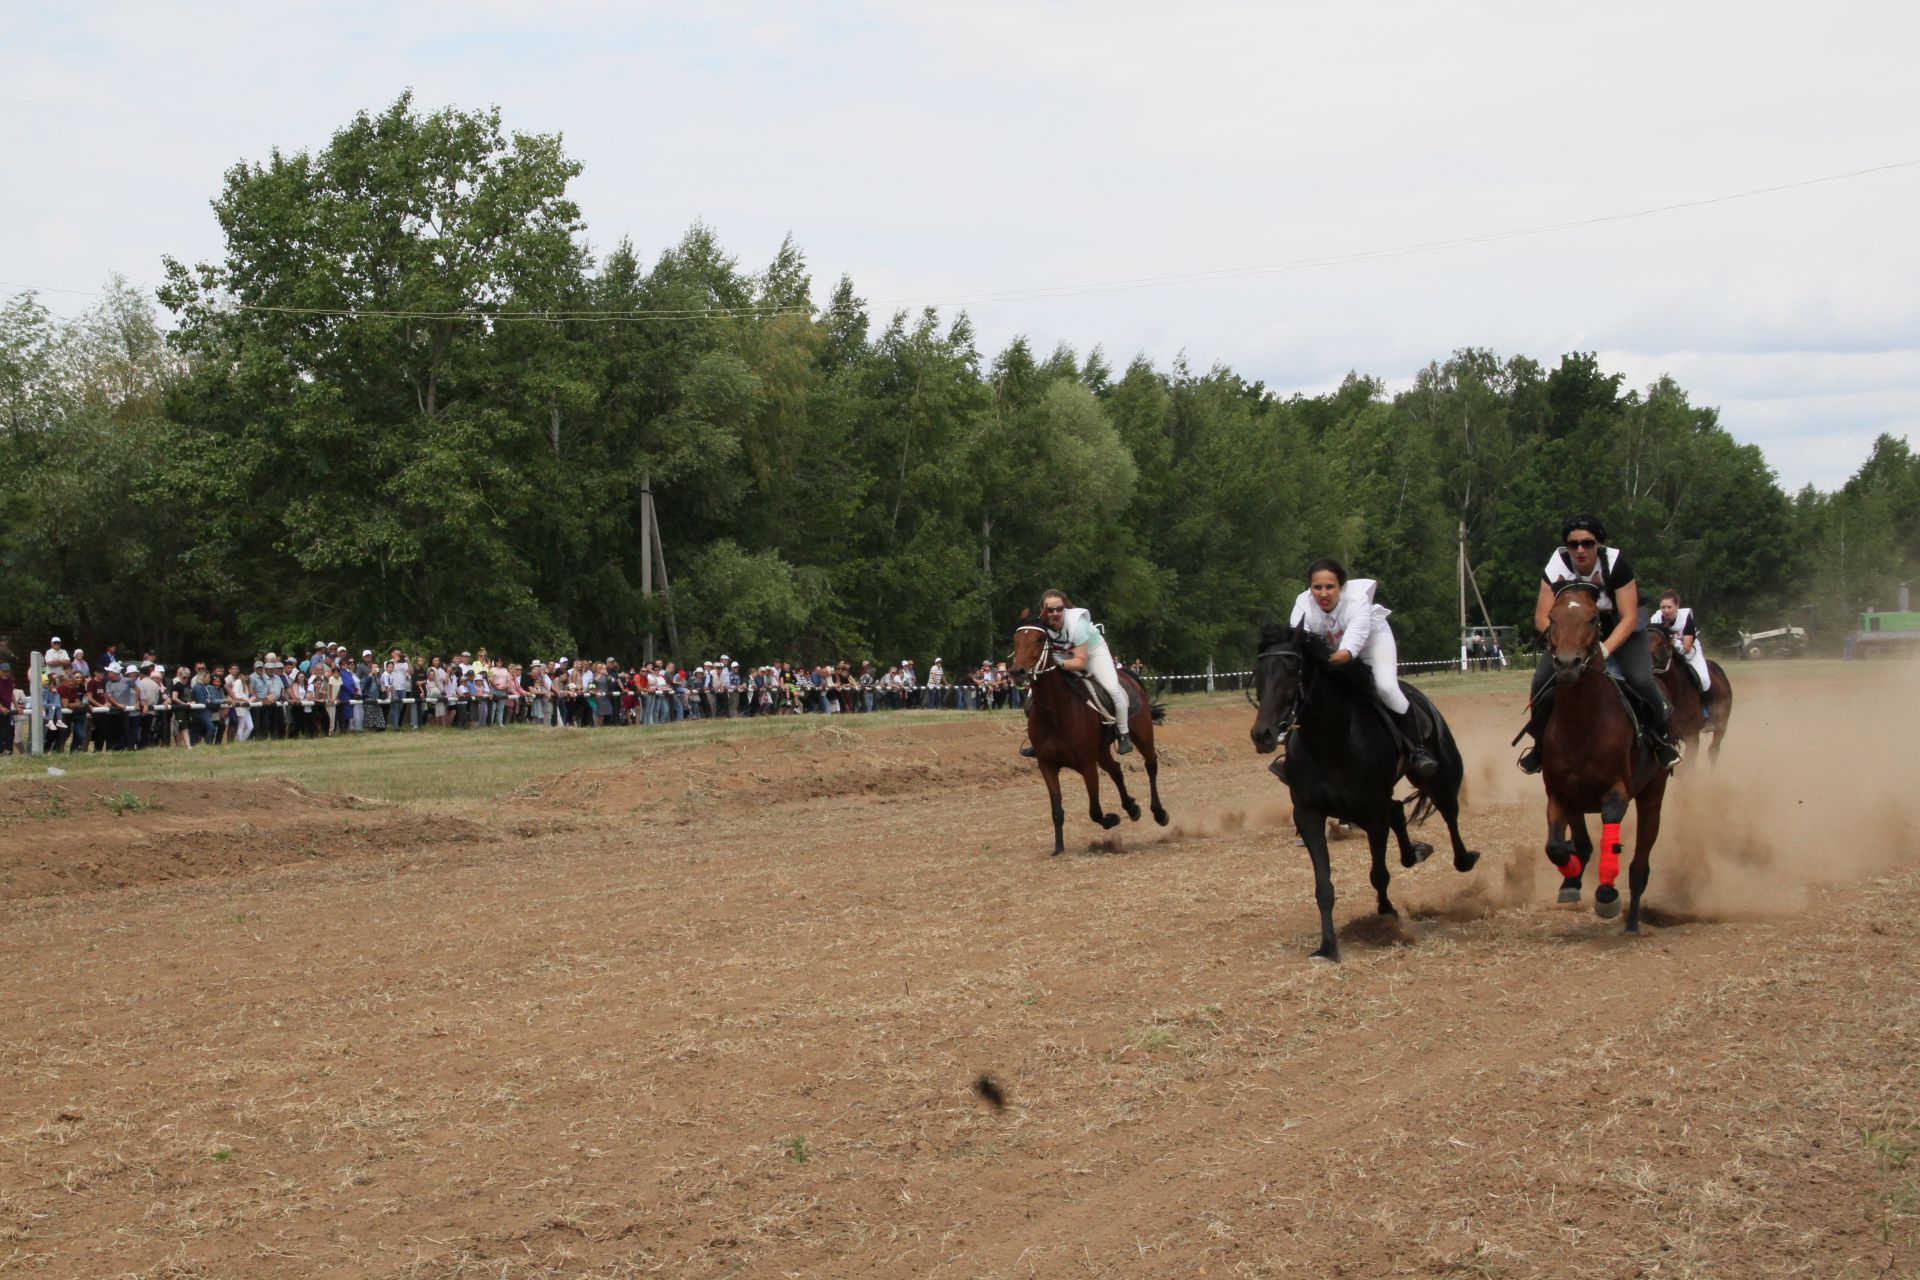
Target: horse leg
1101, 817
1646, 829
1613, 808
1722, 713
1150, 756
1051, 772
1446, 803
1312, 826
1412, 852
1566, 854
1112, 766
1377, 846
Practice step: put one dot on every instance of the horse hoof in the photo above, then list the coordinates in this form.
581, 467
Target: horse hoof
1160, 816
1606, 902
1133, 813
1467, 860
1569, 893
1109, 820
1330, 954
1416, 853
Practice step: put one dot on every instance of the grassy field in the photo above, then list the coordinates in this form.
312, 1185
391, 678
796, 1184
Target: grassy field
456, 767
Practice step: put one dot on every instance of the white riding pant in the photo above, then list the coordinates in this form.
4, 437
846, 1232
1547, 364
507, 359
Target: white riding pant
1697, 663
1382, 656
1100, 667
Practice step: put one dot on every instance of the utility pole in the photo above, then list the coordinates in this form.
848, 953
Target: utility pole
646, 558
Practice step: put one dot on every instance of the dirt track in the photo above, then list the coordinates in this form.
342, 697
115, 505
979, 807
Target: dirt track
718, 1012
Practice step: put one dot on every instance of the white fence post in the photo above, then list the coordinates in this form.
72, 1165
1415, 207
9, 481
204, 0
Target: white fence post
1209, 675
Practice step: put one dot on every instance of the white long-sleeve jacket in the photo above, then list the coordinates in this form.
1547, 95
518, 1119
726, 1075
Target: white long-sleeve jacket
1352, 622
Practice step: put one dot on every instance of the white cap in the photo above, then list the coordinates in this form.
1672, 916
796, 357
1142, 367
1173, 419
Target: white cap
366, 653
56, 640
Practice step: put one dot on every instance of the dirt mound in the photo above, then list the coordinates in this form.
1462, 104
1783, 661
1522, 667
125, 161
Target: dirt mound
62, 837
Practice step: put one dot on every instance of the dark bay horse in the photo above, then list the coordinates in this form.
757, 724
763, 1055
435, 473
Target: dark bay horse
1067, 734
1594, 761
1343, 762
1683, 694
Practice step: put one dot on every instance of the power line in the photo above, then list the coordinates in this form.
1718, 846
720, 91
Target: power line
1033, 293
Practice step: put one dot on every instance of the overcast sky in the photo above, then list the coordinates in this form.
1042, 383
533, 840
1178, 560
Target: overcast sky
938, 151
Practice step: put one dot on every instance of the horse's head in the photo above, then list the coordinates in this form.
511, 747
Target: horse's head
1573, 629
1029, 642
1279, 675
1660, 649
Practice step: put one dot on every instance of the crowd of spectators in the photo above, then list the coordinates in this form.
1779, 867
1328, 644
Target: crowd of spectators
114, 703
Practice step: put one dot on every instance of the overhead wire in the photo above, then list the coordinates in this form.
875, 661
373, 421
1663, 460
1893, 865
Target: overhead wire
1033, 293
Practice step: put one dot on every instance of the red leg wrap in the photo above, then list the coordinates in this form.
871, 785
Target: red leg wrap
1572, 870
1609, 853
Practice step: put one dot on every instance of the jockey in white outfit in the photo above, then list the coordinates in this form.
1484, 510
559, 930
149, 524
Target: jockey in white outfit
1073, 629
1677, 621
1344, 614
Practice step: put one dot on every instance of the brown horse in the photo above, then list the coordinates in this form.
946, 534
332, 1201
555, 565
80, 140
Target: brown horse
1594, 761
1683, 693
1067, 734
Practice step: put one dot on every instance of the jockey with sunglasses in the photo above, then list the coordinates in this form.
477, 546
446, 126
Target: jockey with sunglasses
1623, 638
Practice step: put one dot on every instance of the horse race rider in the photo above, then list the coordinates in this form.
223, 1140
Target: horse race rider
1071, 629
1343, 613
1678, 622
1585, 557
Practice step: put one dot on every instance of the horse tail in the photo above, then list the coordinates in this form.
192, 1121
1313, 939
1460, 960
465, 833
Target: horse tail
1158, 710
1422, 808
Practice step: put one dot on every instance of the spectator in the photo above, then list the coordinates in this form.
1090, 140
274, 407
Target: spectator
9, 697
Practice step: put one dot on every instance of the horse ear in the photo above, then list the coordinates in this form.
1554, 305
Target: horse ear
1025, 614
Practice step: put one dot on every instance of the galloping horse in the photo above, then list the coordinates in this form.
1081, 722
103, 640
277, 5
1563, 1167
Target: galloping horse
1594, 760
1067, 734
1343, 761
1678, 684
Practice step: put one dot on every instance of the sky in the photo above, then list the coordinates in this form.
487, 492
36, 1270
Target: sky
937, 152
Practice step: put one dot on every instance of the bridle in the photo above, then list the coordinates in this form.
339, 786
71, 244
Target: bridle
1663, 663
1291, 659
1047, 659
1594, 651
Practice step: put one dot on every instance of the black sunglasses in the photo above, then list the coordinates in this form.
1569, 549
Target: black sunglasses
1580, 543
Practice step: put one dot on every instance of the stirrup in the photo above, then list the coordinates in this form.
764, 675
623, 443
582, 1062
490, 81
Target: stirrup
1026, 749
1530, 760
1125, 745
1668, 752
1279, 769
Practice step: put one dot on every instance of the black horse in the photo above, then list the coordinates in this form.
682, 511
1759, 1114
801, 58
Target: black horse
1343, 761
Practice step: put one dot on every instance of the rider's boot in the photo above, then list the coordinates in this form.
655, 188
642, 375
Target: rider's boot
1278, 768
1124, 745
1421, 766
1530, 759
1706, 710
1026, 749
1665, 749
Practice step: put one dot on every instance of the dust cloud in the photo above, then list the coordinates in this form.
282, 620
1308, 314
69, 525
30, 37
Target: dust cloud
1812, 790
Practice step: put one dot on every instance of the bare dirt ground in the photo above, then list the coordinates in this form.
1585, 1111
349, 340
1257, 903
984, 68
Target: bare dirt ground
719, 1011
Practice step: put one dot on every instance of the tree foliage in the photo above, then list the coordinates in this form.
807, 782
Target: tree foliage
408, 405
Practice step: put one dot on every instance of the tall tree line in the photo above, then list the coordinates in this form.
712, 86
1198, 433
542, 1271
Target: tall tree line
411, 406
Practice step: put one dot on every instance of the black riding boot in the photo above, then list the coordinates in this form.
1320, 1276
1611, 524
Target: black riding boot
1706, 707
1665, 749
1530, 760
1278, 768
1421, 766
1124, 745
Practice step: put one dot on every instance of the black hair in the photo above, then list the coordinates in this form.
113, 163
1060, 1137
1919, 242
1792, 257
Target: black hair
1584, 521
1338, 570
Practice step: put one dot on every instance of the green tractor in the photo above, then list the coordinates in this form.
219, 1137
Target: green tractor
1895, 633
